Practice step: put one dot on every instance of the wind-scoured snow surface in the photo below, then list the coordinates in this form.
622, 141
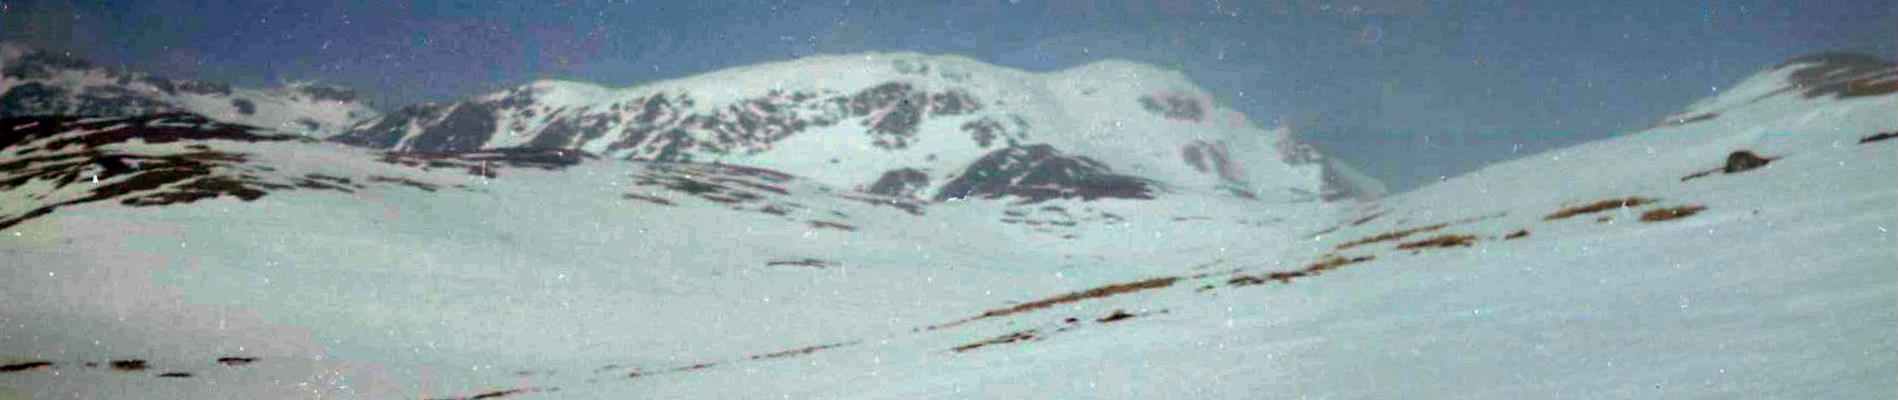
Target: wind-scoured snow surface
1744, 254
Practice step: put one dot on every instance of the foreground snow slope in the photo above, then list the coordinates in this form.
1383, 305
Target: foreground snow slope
1615, 269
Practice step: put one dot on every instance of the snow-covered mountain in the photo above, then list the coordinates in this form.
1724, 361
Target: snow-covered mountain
1746, 253
40, 82
858, 120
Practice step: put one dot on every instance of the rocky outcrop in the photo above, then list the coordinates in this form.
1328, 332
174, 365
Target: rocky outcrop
1037, 173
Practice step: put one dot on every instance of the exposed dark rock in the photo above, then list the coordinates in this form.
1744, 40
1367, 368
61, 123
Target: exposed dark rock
488, 163
330, 93
33, 98
1117, 315
1211, 157
1743, 160
893, 109
1878, 137
983, 131
388, 130
1841, 75
25, 366
69, 151
41, 64
1038, 173
236, 361
467, 127
175, 374
202, 87
832, 225
558, 134
952, 102
244, 106
903, 182
802, 262
115, 101
1175, 106
129, 365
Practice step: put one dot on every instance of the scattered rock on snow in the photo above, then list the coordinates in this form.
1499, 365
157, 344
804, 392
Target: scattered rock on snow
1744, 160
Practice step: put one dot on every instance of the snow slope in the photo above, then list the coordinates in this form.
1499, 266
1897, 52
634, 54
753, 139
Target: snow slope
1614, 269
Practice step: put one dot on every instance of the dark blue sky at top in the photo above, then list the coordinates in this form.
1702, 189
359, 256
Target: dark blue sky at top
1410, 90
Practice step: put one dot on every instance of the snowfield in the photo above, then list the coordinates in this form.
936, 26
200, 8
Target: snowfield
1653, 265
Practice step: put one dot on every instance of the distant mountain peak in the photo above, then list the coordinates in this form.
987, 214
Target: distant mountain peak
853, 120
39, 82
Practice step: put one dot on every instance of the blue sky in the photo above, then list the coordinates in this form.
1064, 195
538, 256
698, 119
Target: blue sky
1411, 90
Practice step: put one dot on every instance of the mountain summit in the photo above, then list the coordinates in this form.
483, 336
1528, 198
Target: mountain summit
857, 120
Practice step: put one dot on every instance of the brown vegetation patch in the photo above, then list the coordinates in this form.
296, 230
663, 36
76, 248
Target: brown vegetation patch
798, 351
1388, 236
1004, 339
1867, 87
1336, 261
1440, 241
175, 374
497, 394
1097, 292
1518, 234
1315, 268
1671, 213
1598, 206
26, 366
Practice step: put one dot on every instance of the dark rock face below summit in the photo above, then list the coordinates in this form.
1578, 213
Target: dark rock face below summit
1038, 173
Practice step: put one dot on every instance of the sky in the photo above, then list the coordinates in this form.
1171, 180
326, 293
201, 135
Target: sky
1411, 91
